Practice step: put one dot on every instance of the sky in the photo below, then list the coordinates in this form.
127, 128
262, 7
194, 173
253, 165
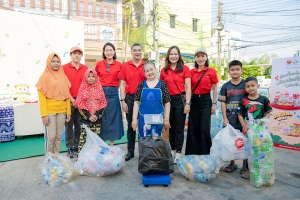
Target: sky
267, 26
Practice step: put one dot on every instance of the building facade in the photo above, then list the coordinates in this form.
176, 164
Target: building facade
184, 24
102, 19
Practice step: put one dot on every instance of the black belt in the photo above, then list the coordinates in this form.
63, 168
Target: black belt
201, 95
130, 94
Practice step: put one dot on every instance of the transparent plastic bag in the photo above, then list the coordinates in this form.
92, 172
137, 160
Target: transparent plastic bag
199, 168
261, 159
230, 144
57, 169
98, 158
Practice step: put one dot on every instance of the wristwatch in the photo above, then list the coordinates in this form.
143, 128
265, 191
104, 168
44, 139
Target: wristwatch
214, 103
188, 102
122, 99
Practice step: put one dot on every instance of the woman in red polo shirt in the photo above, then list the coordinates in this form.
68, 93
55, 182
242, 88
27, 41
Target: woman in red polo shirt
108, 70
204, 80
177, 77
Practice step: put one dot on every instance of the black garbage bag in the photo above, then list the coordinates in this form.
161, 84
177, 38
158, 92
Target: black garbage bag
155, 156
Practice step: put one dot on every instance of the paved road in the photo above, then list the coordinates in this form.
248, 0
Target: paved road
21, 179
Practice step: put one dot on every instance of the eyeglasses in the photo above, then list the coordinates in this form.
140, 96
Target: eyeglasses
107, 68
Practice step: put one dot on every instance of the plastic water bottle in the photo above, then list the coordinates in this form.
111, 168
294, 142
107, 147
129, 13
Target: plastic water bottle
155, 136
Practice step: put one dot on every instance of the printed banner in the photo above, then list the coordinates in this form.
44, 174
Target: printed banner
285, 100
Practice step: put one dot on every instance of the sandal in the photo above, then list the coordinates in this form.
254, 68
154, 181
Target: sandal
230, 168
246, 175
243, 169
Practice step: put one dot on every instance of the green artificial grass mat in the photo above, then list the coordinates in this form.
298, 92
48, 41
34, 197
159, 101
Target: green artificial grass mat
30, 146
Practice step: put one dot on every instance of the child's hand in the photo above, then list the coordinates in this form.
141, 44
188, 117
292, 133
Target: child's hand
134, 124
245, 129
225, 122
93, 118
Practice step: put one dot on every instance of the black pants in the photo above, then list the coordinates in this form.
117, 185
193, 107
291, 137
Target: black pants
198, 136
131, 134
72, 137
177, 121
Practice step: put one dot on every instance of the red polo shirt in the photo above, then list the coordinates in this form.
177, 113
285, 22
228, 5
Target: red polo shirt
75, 76
209, 78
178, 79
108, 78
132, 75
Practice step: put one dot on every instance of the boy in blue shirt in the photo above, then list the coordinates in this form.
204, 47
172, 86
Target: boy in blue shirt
230, 96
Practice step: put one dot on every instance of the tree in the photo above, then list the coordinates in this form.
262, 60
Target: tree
217, 68
267, 72
225, 75
252, 71
264, 59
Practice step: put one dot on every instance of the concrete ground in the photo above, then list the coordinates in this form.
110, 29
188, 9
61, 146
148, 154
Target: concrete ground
21, 179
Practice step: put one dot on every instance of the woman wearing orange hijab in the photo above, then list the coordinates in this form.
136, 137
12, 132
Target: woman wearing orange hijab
54, 98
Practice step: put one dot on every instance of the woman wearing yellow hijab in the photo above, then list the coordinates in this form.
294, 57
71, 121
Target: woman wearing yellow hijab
54, 98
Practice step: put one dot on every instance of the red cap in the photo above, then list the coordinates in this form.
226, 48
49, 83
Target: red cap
76, 48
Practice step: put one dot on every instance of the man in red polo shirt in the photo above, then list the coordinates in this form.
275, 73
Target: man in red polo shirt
74, 71
131, 75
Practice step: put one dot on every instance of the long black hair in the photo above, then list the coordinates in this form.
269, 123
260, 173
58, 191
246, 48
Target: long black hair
180, 63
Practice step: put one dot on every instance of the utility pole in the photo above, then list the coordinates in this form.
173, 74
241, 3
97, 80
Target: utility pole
229, 51
129, 18
69, 9
154, 32
219, 28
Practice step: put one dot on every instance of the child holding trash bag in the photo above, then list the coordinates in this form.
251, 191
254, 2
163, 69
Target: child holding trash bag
252, 108
54, 98
91, 103
230, 96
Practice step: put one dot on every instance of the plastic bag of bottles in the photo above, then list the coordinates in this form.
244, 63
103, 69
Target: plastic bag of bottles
230, 144
199, 168
216, 121
261, 159
57, 169
98, 158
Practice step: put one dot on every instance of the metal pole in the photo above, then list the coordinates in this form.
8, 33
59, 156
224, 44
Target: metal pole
127, 32
154, 31
219, 28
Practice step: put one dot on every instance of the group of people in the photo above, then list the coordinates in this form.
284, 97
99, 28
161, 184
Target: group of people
74, 94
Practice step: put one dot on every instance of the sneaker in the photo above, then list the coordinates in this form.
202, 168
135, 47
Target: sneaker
70, 153
176, 157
